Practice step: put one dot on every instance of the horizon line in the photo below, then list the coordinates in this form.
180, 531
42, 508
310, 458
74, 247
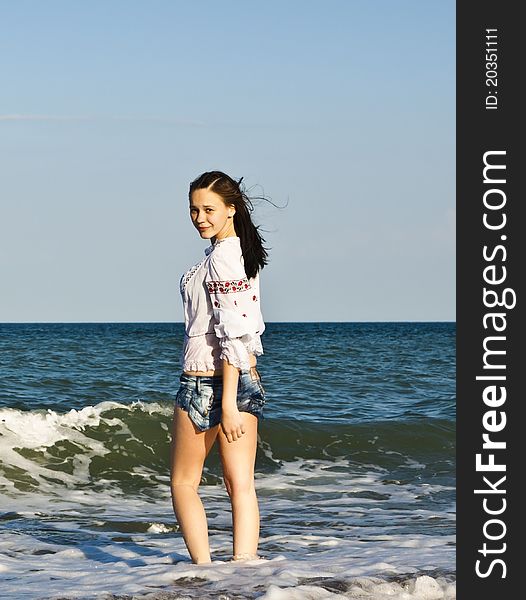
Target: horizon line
182, 323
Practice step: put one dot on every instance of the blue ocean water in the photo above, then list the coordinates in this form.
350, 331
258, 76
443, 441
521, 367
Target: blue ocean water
355, 466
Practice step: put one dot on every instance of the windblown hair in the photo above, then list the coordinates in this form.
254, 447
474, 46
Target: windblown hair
255, 256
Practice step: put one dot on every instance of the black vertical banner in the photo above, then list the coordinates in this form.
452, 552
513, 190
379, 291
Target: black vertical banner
490, 298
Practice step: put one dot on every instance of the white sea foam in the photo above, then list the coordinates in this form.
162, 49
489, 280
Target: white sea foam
137, 568
40, 430
323, 523
137, 562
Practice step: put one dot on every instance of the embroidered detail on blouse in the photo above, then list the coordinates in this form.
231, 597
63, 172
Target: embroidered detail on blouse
188, 275
225, 287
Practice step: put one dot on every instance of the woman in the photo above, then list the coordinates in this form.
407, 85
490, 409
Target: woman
220, 396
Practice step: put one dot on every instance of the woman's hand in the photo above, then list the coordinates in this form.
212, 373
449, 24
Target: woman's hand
232, 423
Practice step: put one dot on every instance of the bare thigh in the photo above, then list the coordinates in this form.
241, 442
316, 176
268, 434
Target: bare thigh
238, 458
189, 449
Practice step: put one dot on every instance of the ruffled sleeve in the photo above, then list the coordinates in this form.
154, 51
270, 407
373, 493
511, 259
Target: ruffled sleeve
235, 304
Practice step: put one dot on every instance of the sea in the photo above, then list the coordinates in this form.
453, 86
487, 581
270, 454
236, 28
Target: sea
355, 468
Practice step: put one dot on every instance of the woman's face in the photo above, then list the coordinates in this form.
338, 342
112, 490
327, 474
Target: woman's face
210, 214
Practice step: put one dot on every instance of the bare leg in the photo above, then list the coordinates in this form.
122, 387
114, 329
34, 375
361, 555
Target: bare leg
189, 448
238, 460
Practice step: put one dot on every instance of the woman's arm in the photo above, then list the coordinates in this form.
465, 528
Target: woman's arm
235, 314
231, 421
234, 304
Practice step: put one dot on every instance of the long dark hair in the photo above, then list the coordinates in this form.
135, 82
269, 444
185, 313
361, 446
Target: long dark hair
233, 193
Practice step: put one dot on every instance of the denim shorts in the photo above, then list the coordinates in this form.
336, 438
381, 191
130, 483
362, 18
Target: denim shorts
200, 396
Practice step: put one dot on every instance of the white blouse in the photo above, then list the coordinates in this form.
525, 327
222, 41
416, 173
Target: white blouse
222, 310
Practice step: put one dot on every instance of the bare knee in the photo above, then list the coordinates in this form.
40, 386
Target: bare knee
239, 486
177, 484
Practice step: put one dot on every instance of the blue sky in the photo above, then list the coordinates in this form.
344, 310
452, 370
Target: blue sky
344, 111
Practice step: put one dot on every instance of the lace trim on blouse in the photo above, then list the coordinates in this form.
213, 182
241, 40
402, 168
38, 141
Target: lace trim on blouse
199, 366
236, 350
188, 275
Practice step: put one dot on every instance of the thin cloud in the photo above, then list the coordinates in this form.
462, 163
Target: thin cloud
136, 119
168, 120
41, 118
